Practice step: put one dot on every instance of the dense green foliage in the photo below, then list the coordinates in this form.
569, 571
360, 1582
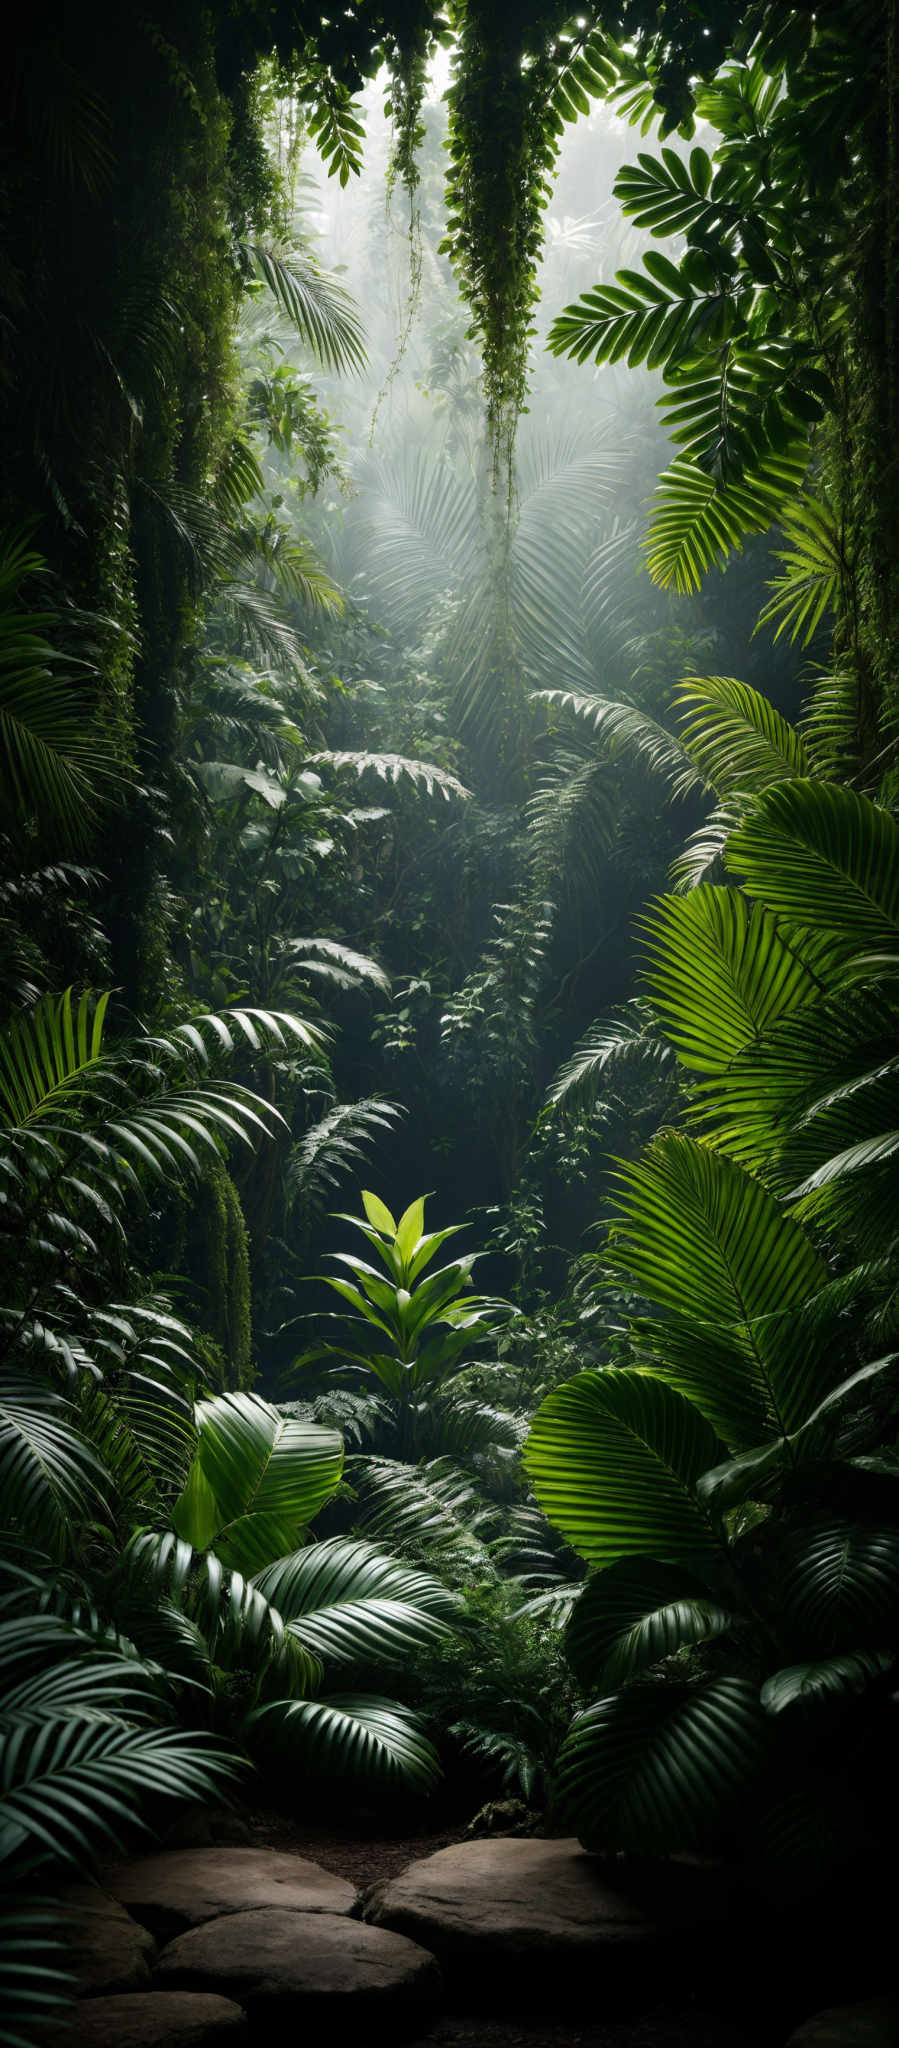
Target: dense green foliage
384, 697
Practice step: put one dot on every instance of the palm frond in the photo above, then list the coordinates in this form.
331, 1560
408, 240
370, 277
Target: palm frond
333, 961
622, 727
697, 521
354, 1735
322, 312
351, 1605
629, 1036
812, 573
51, 1478
333, 1146
736, 737
52, 761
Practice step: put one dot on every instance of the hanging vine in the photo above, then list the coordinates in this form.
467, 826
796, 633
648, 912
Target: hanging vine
517, 79
403, 107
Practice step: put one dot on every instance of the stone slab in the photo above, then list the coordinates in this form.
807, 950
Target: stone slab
107, 1950
157, 2019
181, 1888
307, 1968
526, 1918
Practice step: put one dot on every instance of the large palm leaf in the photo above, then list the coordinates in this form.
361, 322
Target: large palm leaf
372, 1741
350, 1604
825, 858
257, 1479
51, 1479
320, 309
51, 759
634, 1614
656, 1769
705, 1242
721, 974
614, 1459
737, 738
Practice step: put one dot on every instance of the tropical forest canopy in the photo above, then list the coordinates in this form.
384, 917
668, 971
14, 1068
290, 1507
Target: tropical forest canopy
449, 619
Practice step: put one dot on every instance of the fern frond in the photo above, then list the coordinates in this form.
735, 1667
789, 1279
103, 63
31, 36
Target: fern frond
393, 768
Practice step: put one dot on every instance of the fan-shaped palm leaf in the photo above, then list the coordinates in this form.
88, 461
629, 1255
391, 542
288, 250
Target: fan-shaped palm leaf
840, 1586
614, 1458
257, 1479
701, 1239
806, 1684
351, 1605
654, 1769
632, 1615
356, 1736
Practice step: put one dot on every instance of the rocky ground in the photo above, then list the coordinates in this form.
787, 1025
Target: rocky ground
266, 1930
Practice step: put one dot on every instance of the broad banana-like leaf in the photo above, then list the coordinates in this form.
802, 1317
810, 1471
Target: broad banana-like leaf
349, 1604
614, 1459
632, 1615
257, 1480
660, 1768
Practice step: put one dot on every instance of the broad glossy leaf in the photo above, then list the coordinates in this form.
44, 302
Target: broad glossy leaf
257, 1479
614, 1459
657, 1769
633, 1614
350, 1604
378, 1213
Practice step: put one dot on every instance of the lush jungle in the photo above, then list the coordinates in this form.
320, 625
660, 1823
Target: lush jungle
449, 928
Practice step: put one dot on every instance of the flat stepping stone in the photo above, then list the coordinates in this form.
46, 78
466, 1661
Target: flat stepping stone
107, 1950
181, 1888
518, 1916
306, 1967
157, 2019
875, 2024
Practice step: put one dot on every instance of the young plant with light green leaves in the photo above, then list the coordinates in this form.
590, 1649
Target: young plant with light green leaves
414, 1330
